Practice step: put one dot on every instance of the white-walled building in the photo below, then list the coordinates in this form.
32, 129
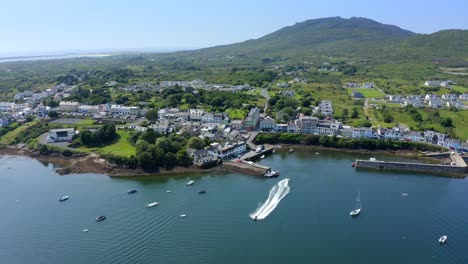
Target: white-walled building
267, 124
124, 110
227, 150
61, 135
90, 109
67, 106
196, 114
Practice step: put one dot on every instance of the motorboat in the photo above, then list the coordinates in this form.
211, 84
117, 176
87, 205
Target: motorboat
442, 239
64, 198
152, 204
272, 173
168, 191
189, 183
100, 218
201, 191
273, 151
132, 191
358, 206
404, 194
183, 215
291, 150
262, 157
85, 230
316, 153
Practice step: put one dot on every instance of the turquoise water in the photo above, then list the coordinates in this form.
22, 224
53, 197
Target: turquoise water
310, 225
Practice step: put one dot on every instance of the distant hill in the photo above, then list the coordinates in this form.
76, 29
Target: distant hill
336, 36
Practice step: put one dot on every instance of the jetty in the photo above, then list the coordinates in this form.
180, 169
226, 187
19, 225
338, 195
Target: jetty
246, 167
457, 167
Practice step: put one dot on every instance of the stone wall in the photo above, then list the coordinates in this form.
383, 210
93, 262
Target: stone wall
457, 171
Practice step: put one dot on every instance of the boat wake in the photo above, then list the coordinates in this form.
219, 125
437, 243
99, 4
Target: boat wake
277, 193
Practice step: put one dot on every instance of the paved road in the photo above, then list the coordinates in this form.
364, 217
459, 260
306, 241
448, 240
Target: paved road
265, 94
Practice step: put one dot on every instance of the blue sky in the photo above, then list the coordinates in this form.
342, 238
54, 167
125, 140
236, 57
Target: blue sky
65, 25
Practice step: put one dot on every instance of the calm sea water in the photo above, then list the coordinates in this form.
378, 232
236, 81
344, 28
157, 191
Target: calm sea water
310, 225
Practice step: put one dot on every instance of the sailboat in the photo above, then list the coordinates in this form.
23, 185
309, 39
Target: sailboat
358, 206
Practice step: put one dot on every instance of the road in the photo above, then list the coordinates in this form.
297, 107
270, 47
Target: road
265, 94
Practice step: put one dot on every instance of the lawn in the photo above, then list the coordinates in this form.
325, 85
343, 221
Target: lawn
368, 93
85, 122
120, 147
236, 113
9, 137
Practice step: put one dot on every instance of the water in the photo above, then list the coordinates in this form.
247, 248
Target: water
310, 225
277, 193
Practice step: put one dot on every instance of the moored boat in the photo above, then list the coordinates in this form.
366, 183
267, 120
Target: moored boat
201, 191
149, 205
189, 183
272, 173
358, 206
63, 198
132, 191
100, 218
291, 150
442, 239
262, 157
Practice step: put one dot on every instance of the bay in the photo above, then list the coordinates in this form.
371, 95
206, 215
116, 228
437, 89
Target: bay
310, 225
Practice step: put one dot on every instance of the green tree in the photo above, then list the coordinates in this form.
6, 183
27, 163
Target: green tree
446, 122
196, 143
53, 114
152, 115
345, 113
355, 113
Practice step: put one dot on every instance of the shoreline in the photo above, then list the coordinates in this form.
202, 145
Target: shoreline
93, 163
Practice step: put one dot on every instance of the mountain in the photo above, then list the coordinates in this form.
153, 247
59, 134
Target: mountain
336, 36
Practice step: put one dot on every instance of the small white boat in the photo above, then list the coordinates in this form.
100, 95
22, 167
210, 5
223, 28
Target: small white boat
291, 150
152, 204
183, 215
262, 157
190, 183
168, 191
64, 198
442, 239
85, 230
316, 153
272, 173
404, 194
358, 206
274, 151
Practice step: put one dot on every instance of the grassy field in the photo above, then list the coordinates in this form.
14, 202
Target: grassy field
236, 113
368, 93
120, 147
9, 137
85, 122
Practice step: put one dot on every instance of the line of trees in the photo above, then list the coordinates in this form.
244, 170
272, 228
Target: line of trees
103, 135
338, 142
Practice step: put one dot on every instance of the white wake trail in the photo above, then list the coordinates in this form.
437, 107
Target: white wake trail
277, 192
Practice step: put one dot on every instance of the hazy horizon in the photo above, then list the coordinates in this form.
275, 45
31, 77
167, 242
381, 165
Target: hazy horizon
52, 26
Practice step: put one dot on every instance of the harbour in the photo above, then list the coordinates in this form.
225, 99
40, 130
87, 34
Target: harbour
216, 227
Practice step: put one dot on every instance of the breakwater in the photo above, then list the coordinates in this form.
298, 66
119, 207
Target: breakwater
247, 168
458, 167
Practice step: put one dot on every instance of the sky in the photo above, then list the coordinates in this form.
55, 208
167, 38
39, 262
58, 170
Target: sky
52, 26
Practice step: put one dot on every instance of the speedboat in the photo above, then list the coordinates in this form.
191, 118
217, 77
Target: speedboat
152, 204
183, 215
189, 183
355, 212
272, 173
442, 239
132, 191
262, 157
85, 230
201, 191
100, 218
64, 198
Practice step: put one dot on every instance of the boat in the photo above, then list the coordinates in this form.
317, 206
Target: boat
183, 215
291, 150
152, 204
100, 218
262, 157
404, 194
190, 183
201, 191
64, 198
442, 239
273, 151
131, 191
272, 173
353, 165
316, 153
358, 207
168, 191
85, 230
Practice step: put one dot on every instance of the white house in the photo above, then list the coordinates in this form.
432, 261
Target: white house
61, 135
252, 118
207, 118
455, 103
90, 109
6, 106
430, 97
237, 124
435, 103
267, 124
464, 97
326, 108
328, 128
307, 124
362, 132
67, 106
227, 150
432, 83
396, 98
124, 110
414, 136
196, 114
218, 118
449, 97
4, 121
